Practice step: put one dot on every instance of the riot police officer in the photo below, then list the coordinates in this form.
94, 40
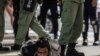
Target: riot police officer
27, 19
71, 18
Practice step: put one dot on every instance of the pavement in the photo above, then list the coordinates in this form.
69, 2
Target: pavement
89, 50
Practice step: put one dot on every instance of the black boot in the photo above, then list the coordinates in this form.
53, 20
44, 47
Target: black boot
72, 52
3, 48
16, 47
85, 42
96, 40
62, 50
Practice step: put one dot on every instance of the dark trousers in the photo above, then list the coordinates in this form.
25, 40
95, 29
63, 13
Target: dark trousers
16, 4
90, 13
54, 16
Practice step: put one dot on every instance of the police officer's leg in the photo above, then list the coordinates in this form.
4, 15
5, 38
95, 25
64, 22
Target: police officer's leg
16, 4
76, 29
77, 22
94, 22
38, 28
66, 27
23, 26
54, 19
1, 27
15, 26
43, 13
85, 25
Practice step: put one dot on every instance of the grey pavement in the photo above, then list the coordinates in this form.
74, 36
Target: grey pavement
89, 50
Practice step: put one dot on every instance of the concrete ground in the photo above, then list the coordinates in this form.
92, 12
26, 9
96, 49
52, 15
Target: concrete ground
89, 50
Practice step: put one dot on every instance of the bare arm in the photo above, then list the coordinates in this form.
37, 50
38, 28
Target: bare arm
10, 12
